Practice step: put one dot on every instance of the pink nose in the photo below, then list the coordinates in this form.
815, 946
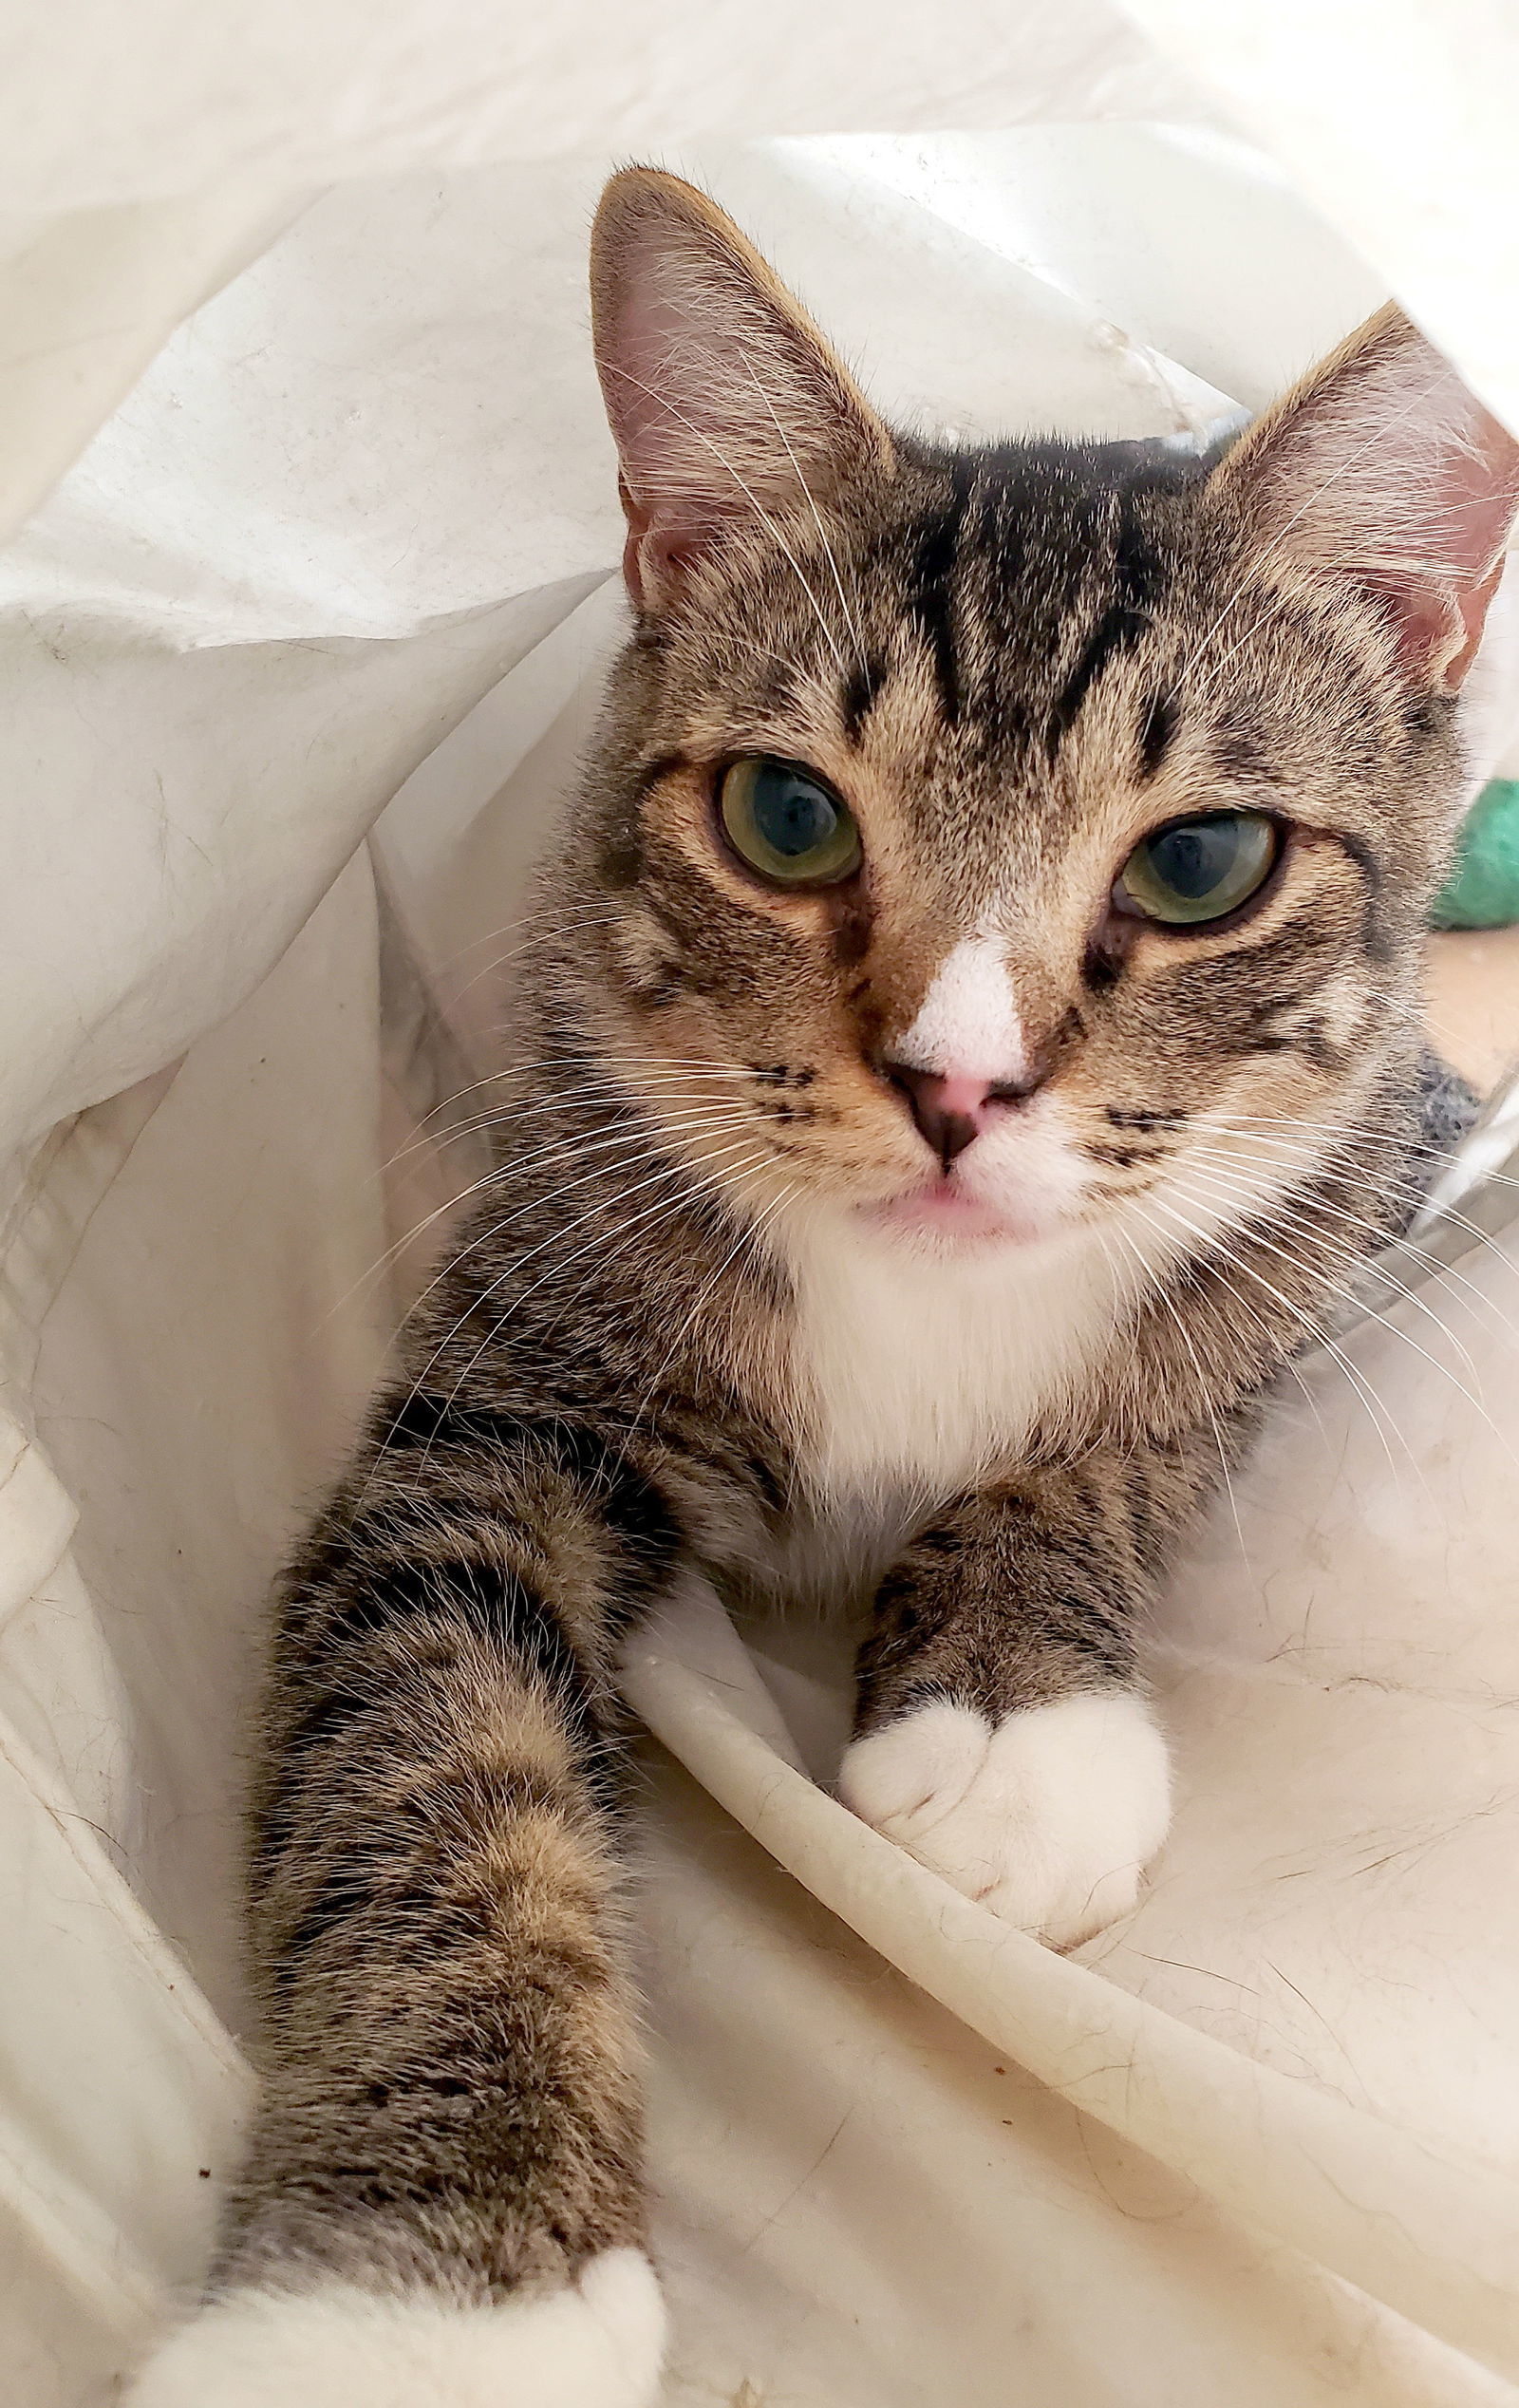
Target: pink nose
952, 1108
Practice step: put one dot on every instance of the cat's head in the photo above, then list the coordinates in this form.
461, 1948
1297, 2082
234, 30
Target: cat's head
995, 843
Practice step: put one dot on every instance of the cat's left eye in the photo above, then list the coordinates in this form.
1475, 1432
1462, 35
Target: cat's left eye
786, 823
1194, 871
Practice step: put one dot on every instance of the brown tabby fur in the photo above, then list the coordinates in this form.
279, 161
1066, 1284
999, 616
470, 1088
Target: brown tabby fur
1012, 663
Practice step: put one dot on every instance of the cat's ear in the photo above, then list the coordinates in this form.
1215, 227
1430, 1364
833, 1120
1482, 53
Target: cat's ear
727, 403
1382, 468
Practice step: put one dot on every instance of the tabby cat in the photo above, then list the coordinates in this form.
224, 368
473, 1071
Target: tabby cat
975, 1038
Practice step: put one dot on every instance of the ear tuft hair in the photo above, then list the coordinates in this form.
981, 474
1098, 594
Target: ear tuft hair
727, 403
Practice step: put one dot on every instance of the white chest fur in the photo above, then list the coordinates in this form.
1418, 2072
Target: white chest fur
915, 1372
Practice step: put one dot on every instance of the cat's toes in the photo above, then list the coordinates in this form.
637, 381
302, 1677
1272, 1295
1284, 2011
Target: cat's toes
1049, 1819
597, 2344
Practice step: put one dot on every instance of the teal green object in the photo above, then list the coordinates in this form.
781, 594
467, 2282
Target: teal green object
1483, 889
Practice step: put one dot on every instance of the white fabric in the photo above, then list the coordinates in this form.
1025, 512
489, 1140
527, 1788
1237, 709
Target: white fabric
1397, 116
350, 534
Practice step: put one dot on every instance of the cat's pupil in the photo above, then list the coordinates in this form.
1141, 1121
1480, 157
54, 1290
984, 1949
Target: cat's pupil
1194, 859
791, 813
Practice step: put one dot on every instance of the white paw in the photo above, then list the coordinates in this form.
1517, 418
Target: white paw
1049, 1819
597, 2344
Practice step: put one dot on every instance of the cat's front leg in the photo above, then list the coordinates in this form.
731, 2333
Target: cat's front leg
1002, 1735
442, 2205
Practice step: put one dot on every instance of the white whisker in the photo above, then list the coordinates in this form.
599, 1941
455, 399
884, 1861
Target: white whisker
661, 1204
1372, 1259
638, 1148
1210, 1243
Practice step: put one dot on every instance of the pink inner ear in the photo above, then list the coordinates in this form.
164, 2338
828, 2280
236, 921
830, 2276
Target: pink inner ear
1431, 628
1384, 469
642, 362
726, 407
1472, 609
1467, 508
658, 549
670, 371
660, 380
654, 557
651, 554
1440, 628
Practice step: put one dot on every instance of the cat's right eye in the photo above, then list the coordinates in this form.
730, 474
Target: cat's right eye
1195, 871
784, 822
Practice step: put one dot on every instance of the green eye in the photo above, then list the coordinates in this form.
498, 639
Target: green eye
786, 824
1197, 870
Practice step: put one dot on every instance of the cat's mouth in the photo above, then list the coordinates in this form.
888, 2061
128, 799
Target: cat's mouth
946, 1212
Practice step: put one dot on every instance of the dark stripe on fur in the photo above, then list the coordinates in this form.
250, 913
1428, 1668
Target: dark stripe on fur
1119, 626
1157, 729
930, 596
1374, 936
861, 689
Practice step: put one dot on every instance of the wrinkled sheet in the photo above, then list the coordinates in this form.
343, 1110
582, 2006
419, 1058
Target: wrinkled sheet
296, 660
